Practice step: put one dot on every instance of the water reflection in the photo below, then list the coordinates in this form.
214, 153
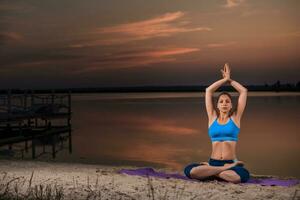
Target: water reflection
172, 131
140, 131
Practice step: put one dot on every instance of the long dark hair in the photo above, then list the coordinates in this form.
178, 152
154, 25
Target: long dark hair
233, 109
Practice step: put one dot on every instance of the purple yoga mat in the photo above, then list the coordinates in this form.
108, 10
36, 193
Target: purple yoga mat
261, 181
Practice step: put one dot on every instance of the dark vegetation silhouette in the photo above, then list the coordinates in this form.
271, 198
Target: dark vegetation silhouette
275, 87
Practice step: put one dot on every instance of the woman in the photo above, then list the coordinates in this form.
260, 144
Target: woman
224, 126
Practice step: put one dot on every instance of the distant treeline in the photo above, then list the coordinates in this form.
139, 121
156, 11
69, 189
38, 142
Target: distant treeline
276, 87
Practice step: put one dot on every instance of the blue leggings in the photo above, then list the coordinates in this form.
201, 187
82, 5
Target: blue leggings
240, 170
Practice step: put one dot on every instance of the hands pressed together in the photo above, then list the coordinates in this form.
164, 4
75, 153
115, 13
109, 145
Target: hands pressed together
226, 72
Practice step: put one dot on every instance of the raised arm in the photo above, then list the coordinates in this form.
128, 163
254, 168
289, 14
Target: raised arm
242, 97
209, 96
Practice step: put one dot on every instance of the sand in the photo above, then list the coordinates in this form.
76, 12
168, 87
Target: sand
83, 181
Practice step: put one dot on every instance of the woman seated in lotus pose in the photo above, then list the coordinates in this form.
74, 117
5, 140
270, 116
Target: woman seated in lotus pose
224, 126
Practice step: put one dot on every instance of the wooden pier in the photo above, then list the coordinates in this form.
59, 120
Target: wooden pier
34, 120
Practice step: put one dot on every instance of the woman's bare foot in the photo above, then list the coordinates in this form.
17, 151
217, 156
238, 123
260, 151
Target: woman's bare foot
204, 163
237, 163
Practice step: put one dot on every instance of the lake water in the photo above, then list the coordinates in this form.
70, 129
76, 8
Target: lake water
171, 130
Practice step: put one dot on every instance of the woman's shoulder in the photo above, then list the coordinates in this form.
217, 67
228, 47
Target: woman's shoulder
235, 119
212, 118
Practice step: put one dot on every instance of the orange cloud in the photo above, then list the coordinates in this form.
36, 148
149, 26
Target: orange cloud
135, 59
11, 36
290, 34
134, 28
218, 45
232, 3
256, 12
170, 52
161, 26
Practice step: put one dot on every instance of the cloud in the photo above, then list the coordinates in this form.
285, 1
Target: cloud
11, 7
7, 38
10, 36
232, 3
293, 34
135, 58
220, 45
36, 58
15, 7
255, 12
155, 53
161, 26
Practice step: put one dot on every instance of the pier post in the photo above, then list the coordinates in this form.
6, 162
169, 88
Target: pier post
70, 140
9, 102
33, 147
25, 100
26, 146
52, 96
69, 108
69, 121
53, 146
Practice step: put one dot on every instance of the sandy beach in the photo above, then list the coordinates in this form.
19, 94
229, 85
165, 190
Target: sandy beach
45, 180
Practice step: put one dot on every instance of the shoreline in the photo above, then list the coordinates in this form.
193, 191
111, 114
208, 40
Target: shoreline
91, 181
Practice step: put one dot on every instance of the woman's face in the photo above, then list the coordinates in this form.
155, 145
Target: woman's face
224, 104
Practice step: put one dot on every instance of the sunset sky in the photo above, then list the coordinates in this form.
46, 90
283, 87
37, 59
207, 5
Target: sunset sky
99, 43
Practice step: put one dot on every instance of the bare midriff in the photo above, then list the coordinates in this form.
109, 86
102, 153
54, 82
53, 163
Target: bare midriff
223, 150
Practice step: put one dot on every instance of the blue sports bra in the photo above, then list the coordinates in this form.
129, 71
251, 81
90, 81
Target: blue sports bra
223, 132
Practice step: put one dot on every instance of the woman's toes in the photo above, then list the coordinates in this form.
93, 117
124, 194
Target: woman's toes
204, 163
240, 163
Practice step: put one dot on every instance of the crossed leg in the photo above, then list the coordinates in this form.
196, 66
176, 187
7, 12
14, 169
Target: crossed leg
230, 176
223, 172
